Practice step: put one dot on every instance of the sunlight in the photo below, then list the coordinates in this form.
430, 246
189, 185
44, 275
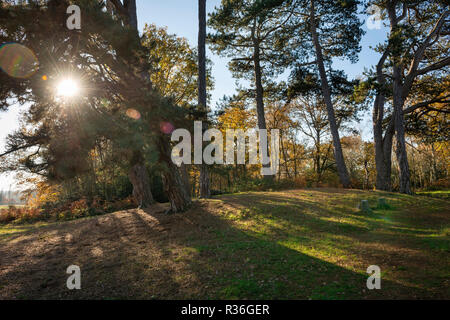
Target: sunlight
67, 88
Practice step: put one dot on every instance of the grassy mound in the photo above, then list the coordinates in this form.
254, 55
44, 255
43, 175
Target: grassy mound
298, 244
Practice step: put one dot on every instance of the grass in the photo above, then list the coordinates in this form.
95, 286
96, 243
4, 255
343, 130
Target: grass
300, 244
443, 194
10, 230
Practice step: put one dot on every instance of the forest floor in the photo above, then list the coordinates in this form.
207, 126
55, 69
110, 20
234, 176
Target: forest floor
297, 244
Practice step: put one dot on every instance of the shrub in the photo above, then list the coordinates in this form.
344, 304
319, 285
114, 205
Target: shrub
69, 210
20, 215
441, 184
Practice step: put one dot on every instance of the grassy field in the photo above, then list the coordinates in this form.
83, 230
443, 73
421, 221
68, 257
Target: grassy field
443, 194
299, 244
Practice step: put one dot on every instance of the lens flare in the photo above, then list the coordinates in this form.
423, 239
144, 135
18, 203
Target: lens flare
166, 127
18, 61
133, 114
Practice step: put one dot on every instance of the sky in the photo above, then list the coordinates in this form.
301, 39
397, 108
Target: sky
181, 18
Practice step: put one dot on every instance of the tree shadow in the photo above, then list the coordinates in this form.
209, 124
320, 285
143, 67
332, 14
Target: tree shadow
198, 255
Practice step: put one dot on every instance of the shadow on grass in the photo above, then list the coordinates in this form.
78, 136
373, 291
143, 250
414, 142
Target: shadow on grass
199, 255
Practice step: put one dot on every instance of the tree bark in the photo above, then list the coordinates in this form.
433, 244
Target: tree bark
338, 154
402, 157
174, 187
130, 6
179, 200
205, 189
138, 176
185, 176
382, 145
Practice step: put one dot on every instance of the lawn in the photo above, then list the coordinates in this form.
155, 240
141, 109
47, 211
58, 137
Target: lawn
298, 244
443, 194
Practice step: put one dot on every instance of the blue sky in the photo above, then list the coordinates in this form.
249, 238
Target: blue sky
180, 17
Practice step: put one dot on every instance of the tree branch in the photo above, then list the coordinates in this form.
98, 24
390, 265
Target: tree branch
435, 66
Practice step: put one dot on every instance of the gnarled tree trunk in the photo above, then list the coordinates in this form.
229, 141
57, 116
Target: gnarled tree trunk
174, 187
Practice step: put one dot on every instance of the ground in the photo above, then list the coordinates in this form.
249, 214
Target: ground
297, 244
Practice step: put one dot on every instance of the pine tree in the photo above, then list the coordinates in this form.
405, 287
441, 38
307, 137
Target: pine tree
409, 77
250, 33
205, 190
325, 30
111, 61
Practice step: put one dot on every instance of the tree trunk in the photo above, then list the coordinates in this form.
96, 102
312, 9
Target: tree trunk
339, 156
260, 105
141, 185
130, 6
205, 189
174, 187
185, 176
285, 157
400, 90
383, 162
399, 124
383, 146
402, 157
294, 142
366, 175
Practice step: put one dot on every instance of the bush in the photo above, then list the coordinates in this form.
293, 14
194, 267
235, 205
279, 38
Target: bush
441, 184
20, 215
65, 211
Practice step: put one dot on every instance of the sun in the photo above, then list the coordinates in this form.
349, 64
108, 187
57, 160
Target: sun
67, 88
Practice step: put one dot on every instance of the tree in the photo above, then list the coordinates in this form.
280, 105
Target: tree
311, 112
415, 50
205, 191
138, 172
316, 24
110, 56
173, 67
175, 73
312, 116
250, 32
178, 195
